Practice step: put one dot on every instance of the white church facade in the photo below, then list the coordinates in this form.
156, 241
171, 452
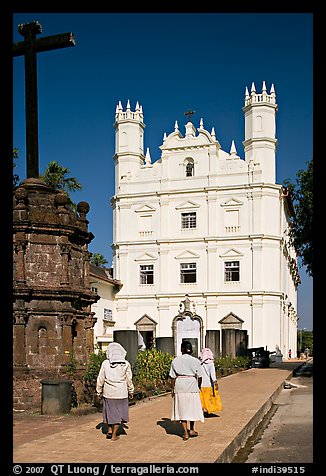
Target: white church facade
205, 231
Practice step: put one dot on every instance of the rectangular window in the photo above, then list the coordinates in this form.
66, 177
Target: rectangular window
188, 220
94, 289
232, 271
188, 273
147, 274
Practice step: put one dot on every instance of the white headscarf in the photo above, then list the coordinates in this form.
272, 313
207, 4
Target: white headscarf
116, 354
206, 356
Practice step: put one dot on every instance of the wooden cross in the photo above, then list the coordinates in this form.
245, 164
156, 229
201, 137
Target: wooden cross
189, 113
29, 47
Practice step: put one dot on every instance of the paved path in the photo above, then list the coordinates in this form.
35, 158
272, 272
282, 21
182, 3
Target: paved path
151, 437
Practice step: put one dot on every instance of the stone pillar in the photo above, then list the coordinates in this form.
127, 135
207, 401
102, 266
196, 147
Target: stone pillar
228, 343
86, 256
89, 334
241, 342
20, 319
212, 341
65, 252
66, 323
20, 247
129, 341
165, 344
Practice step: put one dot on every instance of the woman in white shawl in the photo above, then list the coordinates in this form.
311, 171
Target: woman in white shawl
114, 383
186, 376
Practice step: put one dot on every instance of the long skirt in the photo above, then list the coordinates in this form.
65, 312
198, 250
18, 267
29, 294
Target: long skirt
209, 402
187, 406
115, 410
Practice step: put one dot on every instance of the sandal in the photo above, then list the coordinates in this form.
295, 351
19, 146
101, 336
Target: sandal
193, 433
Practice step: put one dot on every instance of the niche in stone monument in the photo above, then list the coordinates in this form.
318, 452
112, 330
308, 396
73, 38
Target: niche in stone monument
187, 325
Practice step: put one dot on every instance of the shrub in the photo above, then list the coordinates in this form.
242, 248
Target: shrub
151, 369
228, 365
93, 367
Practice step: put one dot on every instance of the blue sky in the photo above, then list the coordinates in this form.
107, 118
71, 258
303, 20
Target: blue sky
169, 63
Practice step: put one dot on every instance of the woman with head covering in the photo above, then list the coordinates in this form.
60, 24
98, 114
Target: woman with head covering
186, 375
114, 383
209, 383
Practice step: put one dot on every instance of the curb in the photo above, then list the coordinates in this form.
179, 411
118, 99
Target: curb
241, 439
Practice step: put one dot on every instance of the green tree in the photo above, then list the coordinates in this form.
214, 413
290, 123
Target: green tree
301, 223
55, 176
98, 260
16, 178
305, 339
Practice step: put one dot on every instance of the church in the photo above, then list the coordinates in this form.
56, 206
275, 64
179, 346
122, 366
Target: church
200, 235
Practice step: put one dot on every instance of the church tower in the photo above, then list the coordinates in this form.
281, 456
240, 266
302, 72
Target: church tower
260, 141
129, 140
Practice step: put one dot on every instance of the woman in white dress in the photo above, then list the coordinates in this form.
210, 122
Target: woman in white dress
186, 375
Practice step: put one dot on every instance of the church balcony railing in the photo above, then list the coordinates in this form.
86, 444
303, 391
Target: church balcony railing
232, 229
145, 233
232, 283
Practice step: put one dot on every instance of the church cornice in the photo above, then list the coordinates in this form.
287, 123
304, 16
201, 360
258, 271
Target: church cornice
233, 238
194, 191
203, 295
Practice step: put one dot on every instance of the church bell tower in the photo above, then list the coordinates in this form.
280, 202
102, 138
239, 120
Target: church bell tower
260, 141
129, 143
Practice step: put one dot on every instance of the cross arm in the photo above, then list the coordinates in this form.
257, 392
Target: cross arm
47, 43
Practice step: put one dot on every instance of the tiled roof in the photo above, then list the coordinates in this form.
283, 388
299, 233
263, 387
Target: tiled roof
101, 273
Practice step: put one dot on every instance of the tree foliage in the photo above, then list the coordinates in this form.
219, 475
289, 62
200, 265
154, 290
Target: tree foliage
55, 176
305, 339
301, 223
98, 260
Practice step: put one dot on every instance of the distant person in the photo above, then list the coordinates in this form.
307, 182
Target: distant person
114, 383
209, 385
306, 352
290, 353
186, 375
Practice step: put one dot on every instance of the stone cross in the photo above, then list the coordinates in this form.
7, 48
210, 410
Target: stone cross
29, 47
189, 114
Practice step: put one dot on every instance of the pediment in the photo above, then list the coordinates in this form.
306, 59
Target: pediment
145, 208
175, 140
145, 320
231, 319
231, 253
187, 205
146, 257
232, 202
187, 255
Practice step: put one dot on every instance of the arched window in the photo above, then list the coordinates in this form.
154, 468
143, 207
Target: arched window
189, 167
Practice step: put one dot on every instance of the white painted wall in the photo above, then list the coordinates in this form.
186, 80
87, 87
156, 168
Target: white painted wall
241, 216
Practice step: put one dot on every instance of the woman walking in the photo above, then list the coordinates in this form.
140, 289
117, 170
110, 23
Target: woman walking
114, 383
209, 387
186, 375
